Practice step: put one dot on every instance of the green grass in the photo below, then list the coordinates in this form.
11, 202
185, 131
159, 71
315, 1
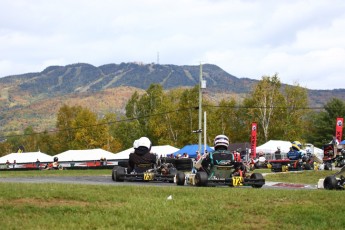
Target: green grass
66, 206
302, 177
36, 173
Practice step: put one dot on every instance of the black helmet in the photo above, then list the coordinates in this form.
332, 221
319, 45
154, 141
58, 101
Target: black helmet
56, 159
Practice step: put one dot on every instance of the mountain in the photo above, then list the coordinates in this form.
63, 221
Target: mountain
79, 78
34, 98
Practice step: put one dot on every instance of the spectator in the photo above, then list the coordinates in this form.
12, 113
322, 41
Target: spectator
38, 163
8, 164
198, 156
262, 158
14, 163
237, 156
185, 155
277, 154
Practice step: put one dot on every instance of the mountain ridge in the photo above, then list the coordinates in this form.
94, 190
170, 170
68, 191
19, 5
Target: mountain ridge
25, 99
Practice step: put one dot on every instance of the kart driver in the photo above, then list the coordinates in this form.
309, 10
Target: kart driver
221, 155
141, 160
295, 151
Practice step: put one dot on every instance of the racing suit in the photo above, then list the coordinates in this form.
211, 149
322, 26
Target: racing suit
221, 156
294, 155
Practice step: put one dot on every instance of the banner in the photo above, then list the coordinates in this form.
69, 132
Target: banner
253, 140
339, 129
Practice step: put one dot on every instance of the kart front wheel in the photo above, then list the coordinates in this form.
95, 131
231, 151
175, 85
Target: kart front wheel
257, 176
330, 183
201, 179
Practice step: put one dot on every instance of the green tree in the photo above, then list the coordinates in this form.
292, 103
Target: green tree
188, 116
265, 99
47, 143
322, 124
289, 119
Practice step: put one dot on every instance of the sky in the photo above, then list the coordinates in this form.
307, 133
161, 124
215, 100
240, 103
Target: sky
303, 41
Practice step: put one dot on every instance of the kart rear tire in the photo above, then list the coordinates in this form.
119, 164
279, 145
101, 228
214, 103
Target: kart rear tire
330, 183
328, 166
307, 166
201, 179
173, 172
113, 173
119, 174
257, 176
180, 178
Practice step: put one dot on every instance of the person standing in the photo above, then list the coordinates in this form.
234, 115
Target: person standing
38, 163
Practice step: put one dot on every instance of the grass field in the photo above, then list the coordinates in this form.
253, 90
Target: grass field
66, 206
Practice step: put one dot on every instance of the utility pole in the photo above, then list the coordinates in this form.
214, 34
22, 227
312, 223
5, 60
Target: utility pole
200, 109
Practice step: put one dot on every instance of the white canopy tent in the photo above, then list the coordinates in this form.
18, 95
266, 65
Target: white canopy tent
85, 155
161, 150
26, 157
272, 145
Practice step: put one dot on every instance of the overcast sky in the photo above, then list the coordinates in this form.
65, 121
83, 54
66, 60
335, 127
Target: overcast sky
303, 41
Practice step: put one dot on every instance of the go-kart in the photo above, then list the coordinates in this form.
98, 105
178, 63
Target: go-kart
335, 181
164, 172
227, 173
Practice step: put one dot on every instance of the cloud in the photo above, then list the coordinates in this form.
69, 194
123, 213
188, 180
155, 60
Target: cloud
298, 39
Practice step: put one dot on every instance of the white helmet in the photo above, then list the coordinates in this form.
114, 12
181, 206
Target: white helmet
221, 140
142, 142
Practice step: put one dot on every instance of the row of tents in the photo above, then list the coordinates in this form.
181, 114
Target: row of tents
165, 150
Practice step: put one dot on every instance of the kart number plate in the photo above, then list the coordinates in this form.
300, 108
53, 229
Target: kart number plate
149, 176
237, 181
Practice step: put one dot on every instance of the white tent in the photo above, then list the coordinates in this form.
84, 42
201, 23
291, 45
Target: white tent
26, 157
85, 155
161, 150
272, 145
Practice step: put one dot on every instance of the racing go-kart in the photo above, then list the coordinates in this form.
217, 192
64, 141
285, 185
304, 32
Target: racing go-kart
163, 172
335, 181
227, 173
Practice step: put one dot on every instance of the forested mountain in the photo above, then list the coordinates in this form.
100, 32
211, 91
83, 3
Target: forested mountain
32, 99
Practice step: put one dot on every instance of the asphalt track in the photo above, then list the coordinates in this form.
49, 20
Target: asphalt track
106, 180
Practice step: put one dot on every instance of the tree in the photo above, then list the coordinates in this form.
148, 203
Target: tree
294, 113
64, 125
322, 126
265, 99
79, 128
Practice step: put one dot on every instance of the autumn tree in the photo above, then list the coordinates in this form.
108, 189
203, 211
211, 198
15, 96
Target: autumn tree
293, 113
264, 100
79, 128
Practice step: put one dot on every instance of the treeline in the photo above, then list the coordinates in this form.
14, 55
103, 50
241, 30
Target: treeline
170, 117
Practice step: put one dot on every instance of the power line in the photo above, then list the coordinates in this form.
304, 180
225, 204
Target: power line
99, 124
